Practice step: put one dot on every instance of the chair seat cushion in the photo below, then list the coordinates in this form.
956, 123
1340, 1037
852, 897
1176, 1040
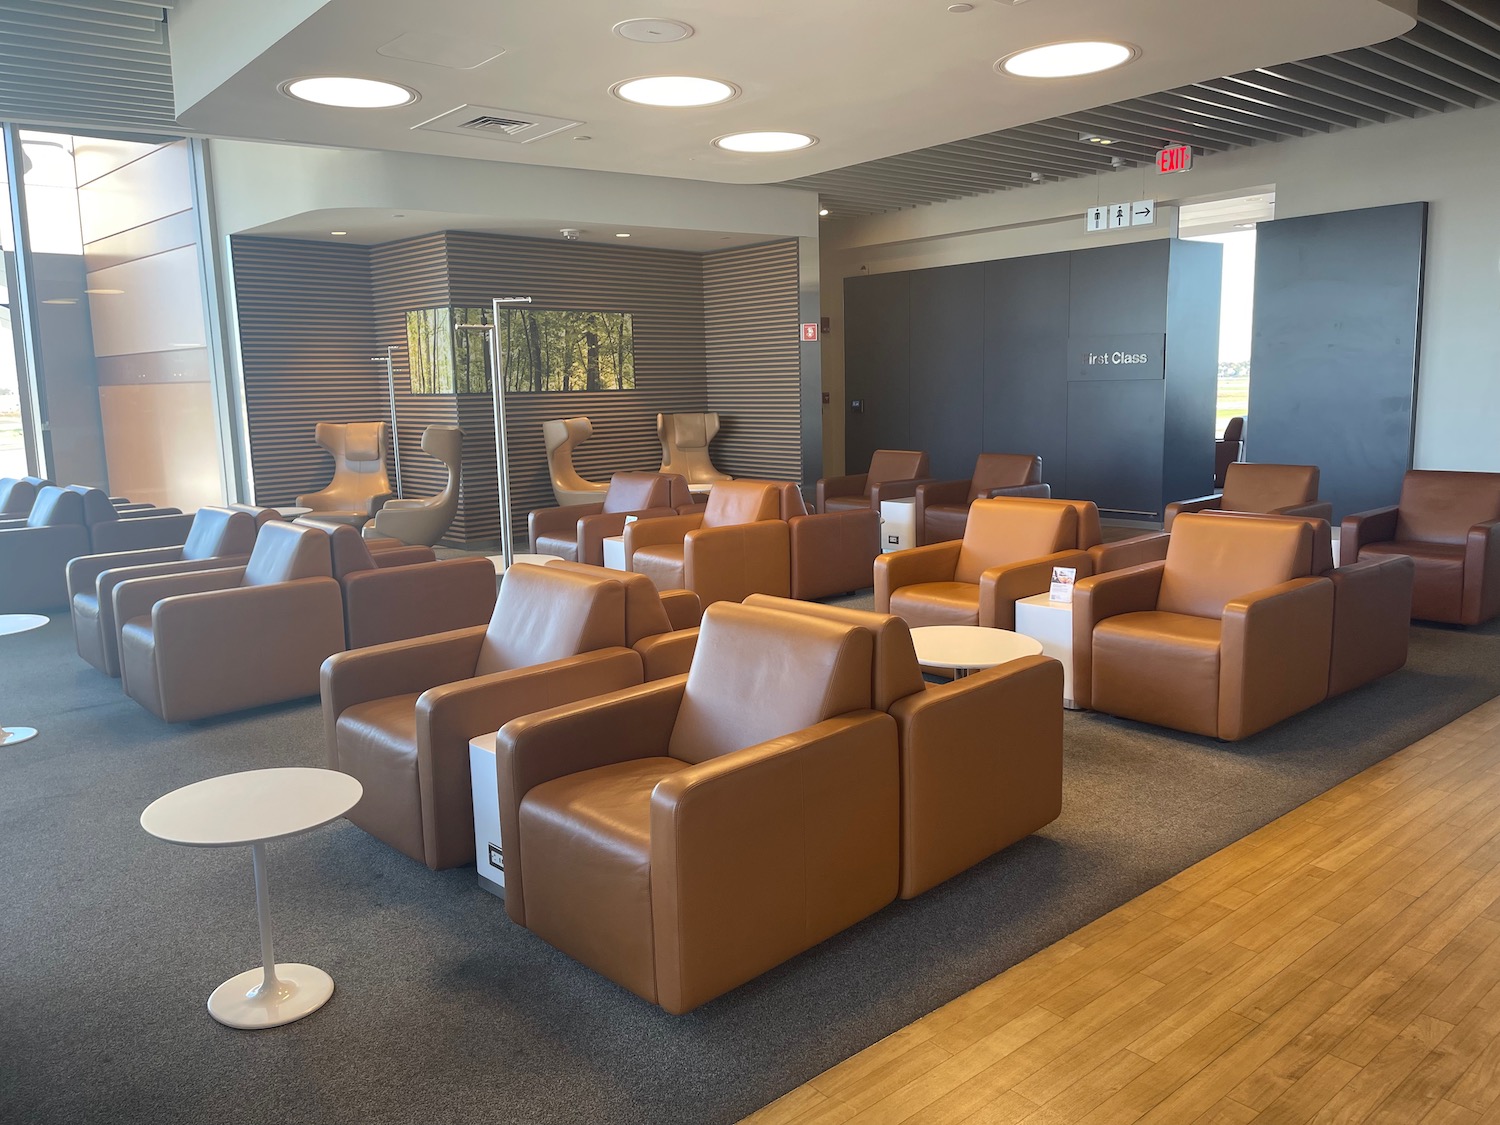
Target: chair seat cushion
663, 563
937, 603
846, 503
1438, 587
564, 546
586, 859
377, 745
337, 518
944, 522
1160, 668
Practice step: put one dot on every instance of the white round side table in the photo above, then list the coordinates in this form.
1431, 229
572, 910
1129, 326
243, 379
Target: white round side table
968, 648
10, 624
254, 808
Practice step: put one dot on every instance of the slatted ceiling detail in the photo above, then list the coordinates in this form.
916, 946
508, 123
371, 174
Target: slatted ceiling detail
754, 360
306, 337
86, 63
1449, 60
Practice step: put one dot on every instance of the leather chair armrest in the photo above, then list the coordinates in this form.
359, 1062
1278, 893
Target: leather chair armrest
852, 485
651, 533
1371, 620
403, 556
684, 608
942, 492
33, 565
84, 571
668, 654
404, 505
12, 523
1033, 491
832, 553
593, 530
137, 534
896, 490
143, 511
111, 580
1274, 655
372, 504
933, 563
1001, 587
1359, 528
1481, 597
547, 744
781, 823
1211, 503
411, 601
1313, 509
728, 564
549, 521
136, 597
1148, 547
1132, 590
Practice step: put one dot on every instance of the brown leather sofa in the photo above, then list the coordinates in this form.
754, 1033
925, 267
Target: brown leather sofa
684, 837
1227, 449
219, 538
1228, 635
1273, 490
399, 716
1008, 551
213, 641
360, 485
738, 545
981, 757
1448, 523
576, 532
943, 505
893, 474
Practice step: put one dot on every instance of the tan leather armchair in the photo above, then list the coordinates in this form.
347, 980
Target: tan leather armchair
423, 522
684, 837
738, 545
1448, 523
213, 641
561, 436
576, 532
360, 485
1228, 635
943, 505
892, 475
1273, 490
832, 552
113, 527
219, 538
684, 446
34, 552
1008, 551
1116, 554
399, 716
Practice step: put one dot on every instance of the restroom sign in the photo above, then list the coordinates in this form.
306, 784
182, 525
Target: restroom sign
809, 333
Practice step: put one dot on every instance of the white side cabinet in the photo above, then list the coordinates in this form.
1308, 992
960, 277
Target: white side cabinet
898, 524
1051, 623
489, 858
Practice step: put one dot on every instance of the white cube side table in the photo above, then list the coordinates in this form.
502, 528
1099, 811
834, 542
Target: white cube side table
489, 859
898, 524
1051, 623
614, 552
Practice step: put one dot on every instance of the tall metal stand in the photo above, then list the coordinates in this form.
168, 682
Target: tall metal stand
390, 383
502, 446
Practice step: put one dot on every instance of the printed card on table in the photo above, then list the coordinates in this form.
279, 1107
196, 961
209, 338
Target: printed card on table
1062, 584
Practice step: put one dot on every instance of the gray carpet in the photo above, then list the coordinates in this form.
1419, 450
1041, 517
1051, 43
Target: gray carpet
111, 941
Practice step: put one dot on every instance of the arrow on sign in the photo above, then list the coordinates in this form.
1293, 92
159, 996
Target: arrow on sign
1143, 213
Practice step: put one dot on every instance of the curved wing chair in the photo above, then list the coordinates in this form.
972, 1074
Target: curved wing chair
684, 446
423, 522
561, 436
360, 484
943, 506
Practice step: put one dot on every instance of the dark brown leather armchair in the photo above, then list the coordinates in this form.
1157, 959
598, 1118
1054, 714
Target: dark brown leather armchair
1449, 525
684, 837
1273, 490
1008, 551
943, 506
399, 716
893, 474
1228, 635
219, 538
213, 641
1228, 448
738, 545
576, 532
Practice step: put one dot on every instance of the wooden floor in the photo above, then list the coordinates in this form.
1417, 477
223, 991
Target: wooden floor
1340, 965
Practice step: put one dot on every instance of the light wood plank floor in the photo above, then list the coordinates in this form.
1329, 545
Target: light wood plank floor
1340, 965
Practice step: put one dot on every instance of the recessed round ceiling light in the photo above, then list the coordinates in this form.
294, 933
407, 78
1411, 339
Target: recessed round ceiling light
622, 234
349, 93
771, 141
676, 90
1066, 60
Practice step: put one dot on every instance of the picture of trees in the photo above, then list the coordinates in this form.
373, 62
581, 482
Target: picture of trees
567, 350
443, 361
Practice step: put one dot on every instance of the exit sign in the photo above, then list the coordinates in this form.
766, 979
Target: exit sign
1178, 158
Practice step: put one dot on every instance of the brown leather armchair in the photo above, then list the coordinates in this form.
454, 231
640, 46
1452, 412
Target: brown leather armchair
399, 716
738, 545
832, 552
1228, 635
360, 485
114, 527
1008, 551
893, 474
34, 552
1116, 554
576, 532
219, 538
213, 641
18, 494
1227, 449
943, 505
1449, 525
684, 837
1273, 490
684, 446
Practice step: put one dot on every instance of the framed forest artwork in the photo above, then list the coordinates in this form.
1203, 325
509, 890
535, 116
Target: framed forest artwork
443, 361
566, 350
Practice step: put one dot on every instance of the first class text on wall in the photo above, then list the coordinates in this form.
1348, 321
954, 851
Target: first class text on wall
1110, 358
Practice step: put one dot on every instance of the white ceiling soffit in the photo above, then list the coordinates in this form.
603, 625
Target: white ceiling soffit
1449, 60
82, 63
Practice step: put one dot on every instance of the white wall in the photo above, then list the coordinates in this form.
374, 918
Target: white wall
1451, 160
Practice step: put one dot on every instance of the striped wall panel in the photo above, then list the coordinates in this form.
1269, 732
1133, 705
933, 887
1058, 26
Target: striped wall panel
754, 359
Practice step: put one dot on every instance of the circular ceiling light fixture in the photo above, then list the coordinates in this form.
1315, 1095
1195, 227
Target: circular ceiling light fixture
674, 91
765, 141
1067, 60
349, 93
649, 30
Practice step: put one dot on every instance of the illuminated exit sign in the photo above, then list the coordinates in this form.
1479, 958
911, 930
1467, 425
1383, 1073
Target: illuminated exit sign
1178, 158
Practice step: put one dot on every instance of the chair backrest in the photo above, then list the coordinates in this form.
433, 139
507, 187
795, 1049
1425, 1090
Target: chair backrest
358, 450
1322, 536
1440, 507
1090, 531
1012, 530
56, 507
1234, 429
680, 495
445, 444
895, 673
262, 516
632, 492
16, 496
561, 436
1004, 470
285, 552
741, 501
547, 613
1263, 488
895, 464
645, 616
96, 505
347, 551
219, 532
684, 444
1212, 560
789, 499
758, 674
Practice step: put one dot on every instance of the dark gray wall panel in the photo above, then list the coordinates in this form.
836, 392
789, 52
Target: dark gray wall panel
1194, 285
1334, 348
1119, 290
947, 367
1115, 429
877, 365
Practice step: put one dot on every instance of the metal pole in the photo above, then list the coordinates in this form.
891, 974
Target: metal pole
502, 447
390, 382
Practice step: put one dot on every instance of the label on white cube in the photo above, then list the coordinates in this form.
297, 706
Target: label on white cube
1063, 578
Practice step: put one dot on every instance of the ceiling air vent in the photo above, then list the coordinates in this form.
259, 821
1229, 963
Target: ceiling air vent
507, 125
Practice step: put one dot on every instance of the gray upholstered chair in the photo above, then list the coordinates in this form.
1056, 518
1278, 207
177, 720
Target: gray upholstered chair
423, 522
